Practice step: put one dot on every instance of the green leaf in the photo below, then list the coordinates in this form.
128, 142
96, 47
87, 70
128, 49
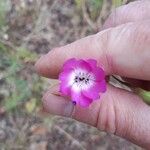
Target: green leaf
117, 3
30, 105
12, 102
3, 48
78, 3
19, 95
97, 3
25, 54
4, 7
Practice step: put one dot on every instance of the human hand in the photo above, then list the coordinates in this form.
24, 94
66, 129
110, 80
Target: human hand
122, 48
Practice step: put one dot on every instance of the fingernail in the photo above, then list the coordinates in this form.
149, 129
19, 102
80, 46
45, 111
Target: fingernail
68, 111
58, 105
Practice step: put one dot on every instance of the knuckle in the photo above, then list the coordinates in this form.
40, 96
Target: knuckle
105, 58
107, 116
111, 116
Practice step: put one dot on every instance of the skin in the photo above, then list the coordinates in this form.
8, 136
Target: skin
122, 48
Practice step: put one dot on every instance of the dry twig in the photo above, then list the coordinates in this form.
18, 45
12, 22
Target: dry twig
104, 12
87, 17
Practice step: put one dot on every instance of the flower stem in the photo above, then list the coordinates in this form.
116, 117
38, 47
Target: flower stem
144, 94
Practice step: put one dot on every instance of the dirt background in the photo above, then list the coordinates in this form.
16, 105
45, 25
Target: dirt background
29, 29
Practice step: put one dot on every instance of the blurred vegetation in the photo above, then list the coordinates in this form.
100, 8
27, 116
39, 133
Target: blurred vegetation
20, 86
19, 83
94, 6
4, 7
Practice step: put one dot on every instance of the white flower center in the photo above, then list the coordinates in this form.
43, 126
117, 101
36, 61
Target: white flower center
81, 80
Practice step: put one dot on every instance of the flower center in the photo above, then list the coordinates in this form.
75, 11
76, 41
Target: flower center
82, 78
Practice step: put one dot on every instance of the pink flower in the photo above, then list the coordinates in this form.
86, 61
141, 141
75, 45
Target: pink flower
82, 80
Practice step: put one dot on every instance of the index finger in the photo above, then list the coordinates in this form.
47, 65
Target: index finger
132, 12
123, 50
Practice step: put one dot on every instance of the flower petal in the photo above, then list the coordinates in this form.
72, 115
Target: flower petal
85, 102
75, 96
82, 93
65, 74
80, 99
65, 89
99, 74
102, 86
71, 63
92, 63
93, 92
83, 65
65, 85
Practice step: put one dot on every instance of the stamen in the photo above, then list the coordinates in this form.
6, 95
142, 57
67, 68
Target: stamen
82, 78
76, 79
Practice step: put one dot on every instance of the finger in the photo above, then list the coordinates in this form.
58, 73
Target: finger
119, 112
123, 50
134, 11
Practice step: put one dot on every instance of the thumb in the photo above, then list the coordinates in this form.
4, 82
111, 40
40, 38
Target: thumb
119, 112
